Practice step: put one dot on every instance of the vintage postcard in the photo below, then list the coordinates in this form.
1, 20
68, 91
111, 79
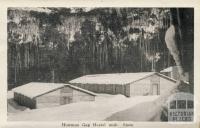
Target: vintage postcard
87, 65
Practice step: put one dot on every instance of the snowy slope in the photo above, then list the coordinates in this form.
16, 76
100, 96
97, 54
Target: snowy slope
104, 106
146, 111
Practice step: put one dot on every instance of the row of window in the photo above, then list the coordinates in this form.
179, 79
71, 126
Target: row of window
181, 104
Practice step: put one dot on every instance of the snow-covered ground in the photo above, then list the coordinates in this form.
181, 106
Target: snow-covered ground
12, 106
104, 106
146, 111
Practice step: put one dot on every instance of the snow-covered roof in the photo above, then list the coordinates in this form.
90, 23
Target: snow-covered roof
169, 69
80, 89
114, 78
35, 89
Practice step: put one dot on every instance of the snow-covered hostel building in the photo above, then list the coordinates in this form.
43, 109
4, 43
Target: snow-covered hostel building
172, 72
40, 95
128, 84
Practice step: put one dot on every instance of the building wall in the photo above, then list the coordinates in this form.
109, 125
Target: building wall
48, 100
145, 86
174, 74
81, 96
62, 96
69, 95
141, 87
166, 85
24, 101
58, 97
127, 90
66, 95
108, 88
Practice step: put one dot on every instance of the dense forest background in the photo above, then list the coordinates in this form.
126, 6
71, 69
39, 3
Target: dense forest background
59, 44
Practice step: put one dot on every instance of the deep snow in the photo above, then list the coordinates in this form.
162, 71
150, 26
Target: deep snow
103, 107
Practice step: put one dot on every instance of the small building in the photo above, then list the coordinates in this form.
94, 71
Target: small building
128, 84
180, 102
41, 95
173, 73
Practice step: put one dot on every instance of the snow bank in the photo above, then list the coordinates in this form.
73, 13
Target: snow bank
103, 107
12, 106
146, 111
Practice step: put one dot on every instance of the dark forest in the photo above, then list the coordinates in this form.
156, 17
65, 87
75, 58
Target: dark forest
59, 44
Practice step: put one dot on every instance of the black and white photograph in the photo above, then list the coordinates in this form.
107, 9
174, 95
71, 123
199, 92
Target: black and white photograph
100, 64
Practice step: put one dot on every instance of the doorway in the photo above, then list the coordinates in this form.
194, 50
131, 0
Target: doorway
65, 100
155, 89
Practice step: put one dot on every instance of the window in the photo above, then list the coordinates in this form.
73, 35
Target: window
190, 104
181, 104
173, 104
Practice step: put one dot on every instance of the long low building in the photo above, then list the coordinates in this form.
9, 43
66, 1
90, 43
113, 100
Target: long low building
128, 84
41, 95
